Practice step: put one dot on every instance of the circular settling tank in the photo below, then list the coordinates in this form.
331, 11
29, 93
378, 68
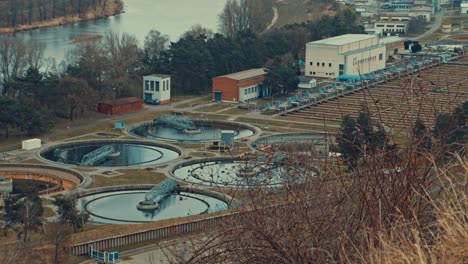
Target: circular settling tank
98, 153
120, 207
42, 178
204, 130
233, 173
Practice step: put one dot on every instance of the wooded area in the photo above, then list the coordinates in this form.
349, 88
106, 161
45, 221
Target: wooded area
33, 89
22, 12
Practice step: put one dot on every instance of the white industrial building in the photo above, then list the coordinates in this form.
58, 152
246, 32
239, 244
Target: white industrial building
393, 27
464, 7
157, 87
350, 54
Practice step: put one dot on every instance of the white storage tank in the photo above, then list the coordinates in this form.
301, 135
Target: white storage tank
31, 144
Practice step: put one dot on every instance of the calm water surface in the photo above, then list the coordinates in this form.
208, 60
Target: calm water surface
171, 17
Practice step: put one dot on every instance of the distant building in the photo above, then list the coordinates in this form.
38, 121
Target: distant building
350, 54
120, 106
240, 86
157, 87
306, 84
464, 7
393, 27
421, 12
447, 28
393, 45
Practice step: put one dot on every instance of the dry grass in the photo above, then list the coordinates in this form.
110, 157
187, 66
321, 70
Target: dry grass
203, 100
445, 241
130, 176
33, 161
202, 154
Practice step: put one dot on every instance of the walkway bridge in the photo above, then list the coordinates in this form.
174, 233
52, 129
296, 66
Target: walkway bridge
156, 194
176, 122
97, 155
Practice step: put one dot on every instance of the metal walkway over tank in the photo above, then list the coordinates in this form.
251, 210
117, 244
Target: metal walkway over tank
97, 155
158, 192
176, 121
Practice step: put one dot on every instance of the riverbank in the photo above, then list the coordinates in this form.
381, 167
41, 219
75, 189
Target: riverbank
110, 9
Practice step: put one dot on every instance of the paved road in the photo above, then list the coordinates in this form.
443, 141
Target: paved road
273, 20
434, 27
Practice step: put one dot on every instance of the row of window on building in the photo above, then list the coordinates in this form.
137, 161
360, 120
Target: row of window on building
318, 64
390, 26
154, 85
251, 90
322, 73
373, 58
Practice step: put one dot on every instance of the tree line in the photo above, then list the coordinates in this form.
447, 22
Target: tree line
113, 66
23, 12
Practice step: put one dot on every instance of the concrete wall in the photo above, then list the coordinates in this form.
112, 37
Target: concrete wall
152, 234
69, 175
366, 61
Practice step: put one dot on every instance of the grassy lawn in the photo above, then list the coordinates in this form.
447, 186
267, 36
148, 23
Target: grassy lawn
130, 176
178, 98
48, 212
215, 107
105, 125
33, 161
202, 100
202, 154
234, 111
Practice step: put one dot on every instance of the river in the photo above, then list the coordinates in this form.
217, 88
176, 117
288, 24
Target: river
171, 17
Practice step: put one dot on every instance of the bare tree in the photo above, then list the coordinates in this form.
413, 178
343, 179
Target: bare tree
155, 43
78, 95
122, 51
13, 62
59, 235
236, 17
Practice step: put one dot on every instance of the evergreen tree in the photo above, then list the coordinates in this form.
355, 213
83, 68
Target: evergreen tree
23, 213
349, 141
69, 214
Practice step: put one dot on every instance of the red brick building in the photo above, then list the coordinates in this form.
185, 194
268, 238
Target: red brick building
120, 106
239, 86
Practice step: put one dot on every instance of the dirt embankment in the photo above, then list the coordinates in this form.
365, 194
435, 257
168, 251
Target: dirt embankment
110, 9
277, 13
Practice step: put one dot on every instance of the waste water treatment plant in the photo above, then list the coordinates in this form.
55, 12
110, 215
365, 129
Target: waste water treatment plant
181, 129
111, 153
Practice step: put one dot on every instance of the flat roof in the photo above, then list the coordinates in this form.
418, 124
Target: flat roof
160, 75
343, 39
388, 40
392, 22
244, 75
